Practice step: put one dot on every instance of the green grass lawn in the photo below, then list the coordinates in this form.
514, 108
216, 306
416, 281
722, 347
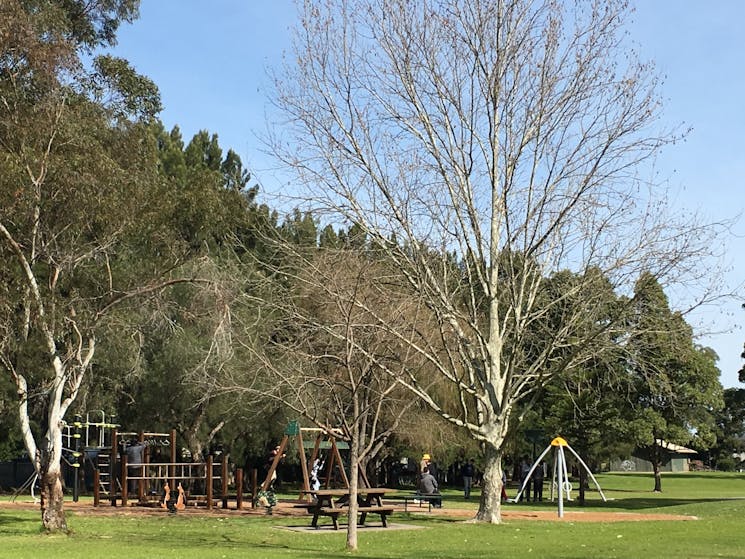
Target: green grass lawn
717, 499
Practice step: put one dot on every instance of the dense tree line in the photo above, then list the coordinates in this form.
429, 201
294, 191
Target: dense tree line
139, 274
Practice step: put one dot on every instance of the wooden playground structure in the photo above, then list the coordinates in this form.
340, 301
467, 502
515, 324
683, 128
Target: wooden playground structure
119, 481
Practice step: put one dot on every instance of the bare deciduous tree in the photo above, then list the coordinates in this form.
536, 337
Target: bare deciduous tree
325, 356
496, 143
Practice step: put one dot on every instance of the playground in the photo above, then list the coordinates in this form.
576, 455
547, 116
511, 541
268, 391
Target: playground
286, 508
634, 522
135, 474
697, 516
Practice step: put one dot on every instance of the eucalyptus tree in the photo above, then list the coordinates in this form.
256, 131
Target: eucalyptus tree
81, 200
507, 133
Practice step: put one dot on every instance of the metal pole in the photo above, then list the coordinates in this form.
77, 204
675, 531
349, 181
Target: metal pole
76, 470
566, 474
553, 478
560, 471
77, 434
589, 472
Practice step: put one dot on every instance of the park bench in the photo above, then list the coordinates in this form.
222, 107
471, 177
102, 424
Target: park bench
418, 498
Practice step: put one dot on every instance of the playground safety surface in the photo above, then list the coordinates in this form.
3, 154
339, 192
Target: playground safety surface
289, 509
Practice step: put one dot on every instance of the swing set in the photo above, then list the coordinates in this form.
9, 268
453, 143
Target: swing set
325, 442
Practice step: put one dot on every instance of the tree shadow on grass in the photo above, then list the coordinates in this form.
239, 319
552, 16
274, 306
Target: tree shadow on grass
12, 519
654, 501
709, 476
429, 519
11, 524
639, 503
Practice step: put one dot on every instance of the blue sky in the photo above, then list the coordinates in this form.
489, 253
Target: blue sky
210, 61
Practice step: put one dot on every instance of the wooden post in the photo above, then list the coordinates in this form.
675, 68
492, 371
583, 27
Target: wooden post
172, 467
363, 477
313, 456
316, 448
209, 482
330, 466
96, 488
124, 479
335, 450
275, 462
303, 462
224, 480
239, 488
254, 482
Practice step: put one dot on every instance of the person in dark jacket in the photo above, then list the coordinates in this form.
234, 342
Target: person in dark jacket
524, 479
467, 472
538, 483
135, 451
428, 486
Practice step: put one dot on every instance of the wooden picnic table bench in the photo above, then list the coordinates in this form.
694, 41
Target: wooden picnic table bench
333, 502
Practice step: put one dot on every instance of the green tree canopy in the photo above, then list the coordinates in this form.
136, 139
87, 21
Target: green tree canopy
674, 386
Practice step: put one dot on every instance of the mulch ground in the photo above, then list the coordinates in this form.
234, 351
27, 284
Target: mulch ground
287, 509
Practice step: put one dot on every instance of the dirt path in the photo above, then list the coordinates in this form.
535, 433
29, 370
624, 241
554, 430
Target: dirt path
287, 509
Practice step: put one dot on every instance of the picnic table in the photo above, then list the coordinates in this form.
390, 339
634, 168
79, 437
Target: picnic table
333, 502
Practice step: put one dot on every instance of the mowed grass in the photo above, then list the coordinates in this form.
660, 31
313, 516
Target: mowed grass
718, 500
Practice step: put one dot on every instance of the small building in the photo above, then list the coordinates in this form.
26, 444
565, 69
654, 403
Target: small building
678, 459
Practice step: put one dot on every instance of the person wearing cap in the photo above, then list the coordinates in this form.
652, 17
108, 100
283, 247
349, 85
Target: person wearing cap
426, 459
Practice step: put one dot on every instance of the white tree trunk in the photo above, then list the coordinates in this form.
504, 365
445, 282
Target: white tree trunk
52, 499
490, 507
354, 460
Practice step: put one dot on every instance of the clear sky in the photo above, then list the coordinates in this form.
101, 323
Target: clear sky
210, 61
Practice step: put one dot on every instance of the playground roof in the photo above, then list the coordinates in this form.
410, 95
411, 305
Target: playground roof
672, 447
326, 445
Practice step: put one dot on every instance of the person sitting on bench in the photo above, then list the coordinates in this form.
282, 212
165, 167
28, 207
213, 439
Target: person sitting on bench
428, 486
